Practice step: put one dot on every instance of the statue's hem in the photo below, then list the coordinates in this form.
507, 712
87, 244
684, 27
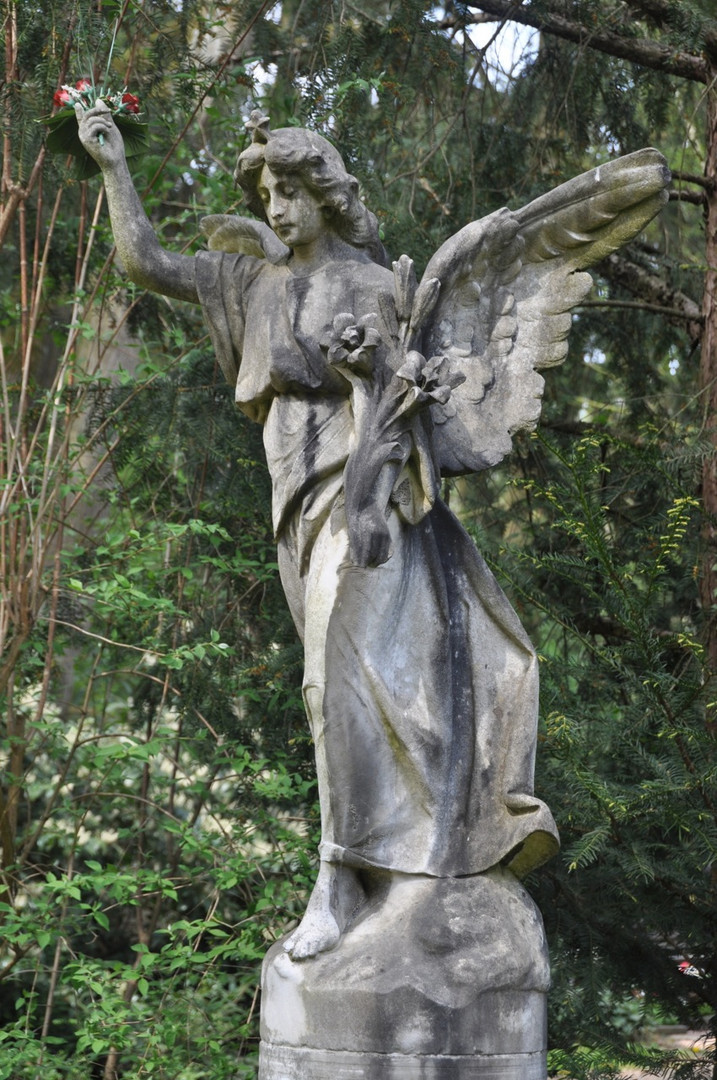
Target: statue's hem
280, 1062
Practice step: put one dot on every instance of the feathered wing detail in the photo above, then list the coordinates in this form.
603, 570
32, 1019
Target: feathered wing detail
507, 287
245, 236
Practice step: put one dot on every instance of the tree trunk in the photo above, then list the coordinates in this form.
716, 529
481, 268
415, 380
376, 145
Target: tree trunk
708, 388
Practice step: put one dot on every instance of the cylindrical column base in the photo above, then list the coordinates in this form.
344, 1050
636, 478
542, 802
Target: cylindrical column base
300, 1063
439, 979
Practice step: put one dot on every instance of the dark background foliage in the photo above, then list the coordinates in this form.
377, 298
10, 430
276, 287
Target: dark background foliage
157, 802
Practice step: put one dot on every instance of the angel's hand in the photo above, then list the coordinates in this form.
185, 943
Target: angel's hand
370, 542
100, 136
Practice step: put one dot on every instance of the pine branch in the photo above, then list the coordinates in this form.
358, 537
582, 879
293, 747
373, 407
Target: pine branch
663, 14
659, 11
650, 54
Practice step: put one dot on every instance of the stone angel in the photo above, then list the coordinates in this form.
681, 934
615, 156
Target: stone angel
420, 684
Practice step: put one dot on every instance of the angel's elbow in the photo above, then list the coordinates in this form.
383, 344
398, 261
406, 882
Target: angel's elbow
153, 270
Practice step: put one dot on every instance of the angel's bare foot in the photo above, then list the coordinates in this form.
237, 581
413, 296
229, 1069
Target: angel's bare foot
335, 896
317, 932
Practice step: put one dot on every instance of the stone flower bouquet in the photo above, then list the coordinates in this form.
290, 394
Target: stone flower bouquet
63, 137
394, 405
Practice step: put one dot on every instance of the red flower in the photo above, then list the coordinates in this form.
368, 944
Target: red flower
61, 98
130, 103
83, 84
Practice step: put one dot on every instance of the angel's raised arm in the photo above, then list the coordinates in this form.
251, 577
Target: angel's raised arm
145, 261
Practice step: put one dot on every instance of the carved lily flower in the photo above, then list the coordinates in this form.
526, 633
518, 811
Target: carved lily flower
430, 381
352, 342
404, 281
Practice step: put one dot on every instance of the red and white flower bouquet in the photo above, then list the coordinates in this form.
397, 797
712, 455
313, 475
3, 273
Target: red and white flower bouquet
63, 137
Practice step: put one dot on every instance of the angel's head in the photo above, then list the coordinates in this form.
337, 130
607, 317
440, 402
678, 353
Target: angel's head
304, 160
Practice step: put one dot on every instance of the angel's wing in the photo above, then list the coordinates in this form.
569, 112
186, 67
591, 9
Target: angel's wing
507, 286
226, 232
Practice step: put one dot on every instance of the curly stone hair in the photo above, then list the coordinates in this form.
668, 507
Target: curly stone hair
320, 168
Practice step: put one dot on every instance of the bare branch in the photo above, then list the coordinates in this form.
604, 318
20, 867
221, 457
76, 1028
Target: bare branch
650, 54
653, 291
691, 178
699, 198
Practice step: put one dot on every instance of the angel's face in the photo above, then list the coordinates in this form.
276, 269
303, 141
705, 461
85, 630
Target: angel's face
292, 211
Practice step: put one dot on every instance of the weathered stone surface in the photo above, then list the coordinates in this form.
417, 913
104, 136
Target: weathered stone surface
420, 685
435, 968
291, 1063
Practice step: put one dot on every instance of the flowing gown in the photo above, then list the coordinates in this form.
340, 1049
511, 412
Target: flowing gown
420, 684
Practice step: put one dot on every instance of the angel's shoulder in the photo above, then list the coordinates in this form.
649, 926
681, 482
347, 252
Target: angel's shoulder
233, 263
382, 275
228, 277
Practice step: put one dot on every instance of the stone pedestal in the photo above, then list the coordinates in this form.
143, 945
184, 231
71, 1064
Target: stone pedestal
437, 979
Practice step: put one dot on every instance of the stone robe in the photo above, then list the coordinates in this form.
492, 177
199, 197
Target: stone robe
420, 684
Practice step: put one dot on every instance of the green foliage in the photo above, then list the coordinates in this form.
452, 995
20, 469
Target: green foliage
157, 813
157, 796
604, 573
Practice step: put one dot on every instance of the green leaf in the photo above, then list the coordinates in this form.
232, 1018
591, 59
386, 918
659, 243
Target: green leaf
63, 138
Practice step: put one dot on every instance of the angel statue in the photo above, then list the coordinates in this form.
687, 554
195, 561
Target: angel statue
420, 684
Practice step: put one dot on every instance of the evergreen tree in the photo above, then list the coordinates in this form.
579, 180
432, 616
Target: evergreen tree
157, 818
613, 541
